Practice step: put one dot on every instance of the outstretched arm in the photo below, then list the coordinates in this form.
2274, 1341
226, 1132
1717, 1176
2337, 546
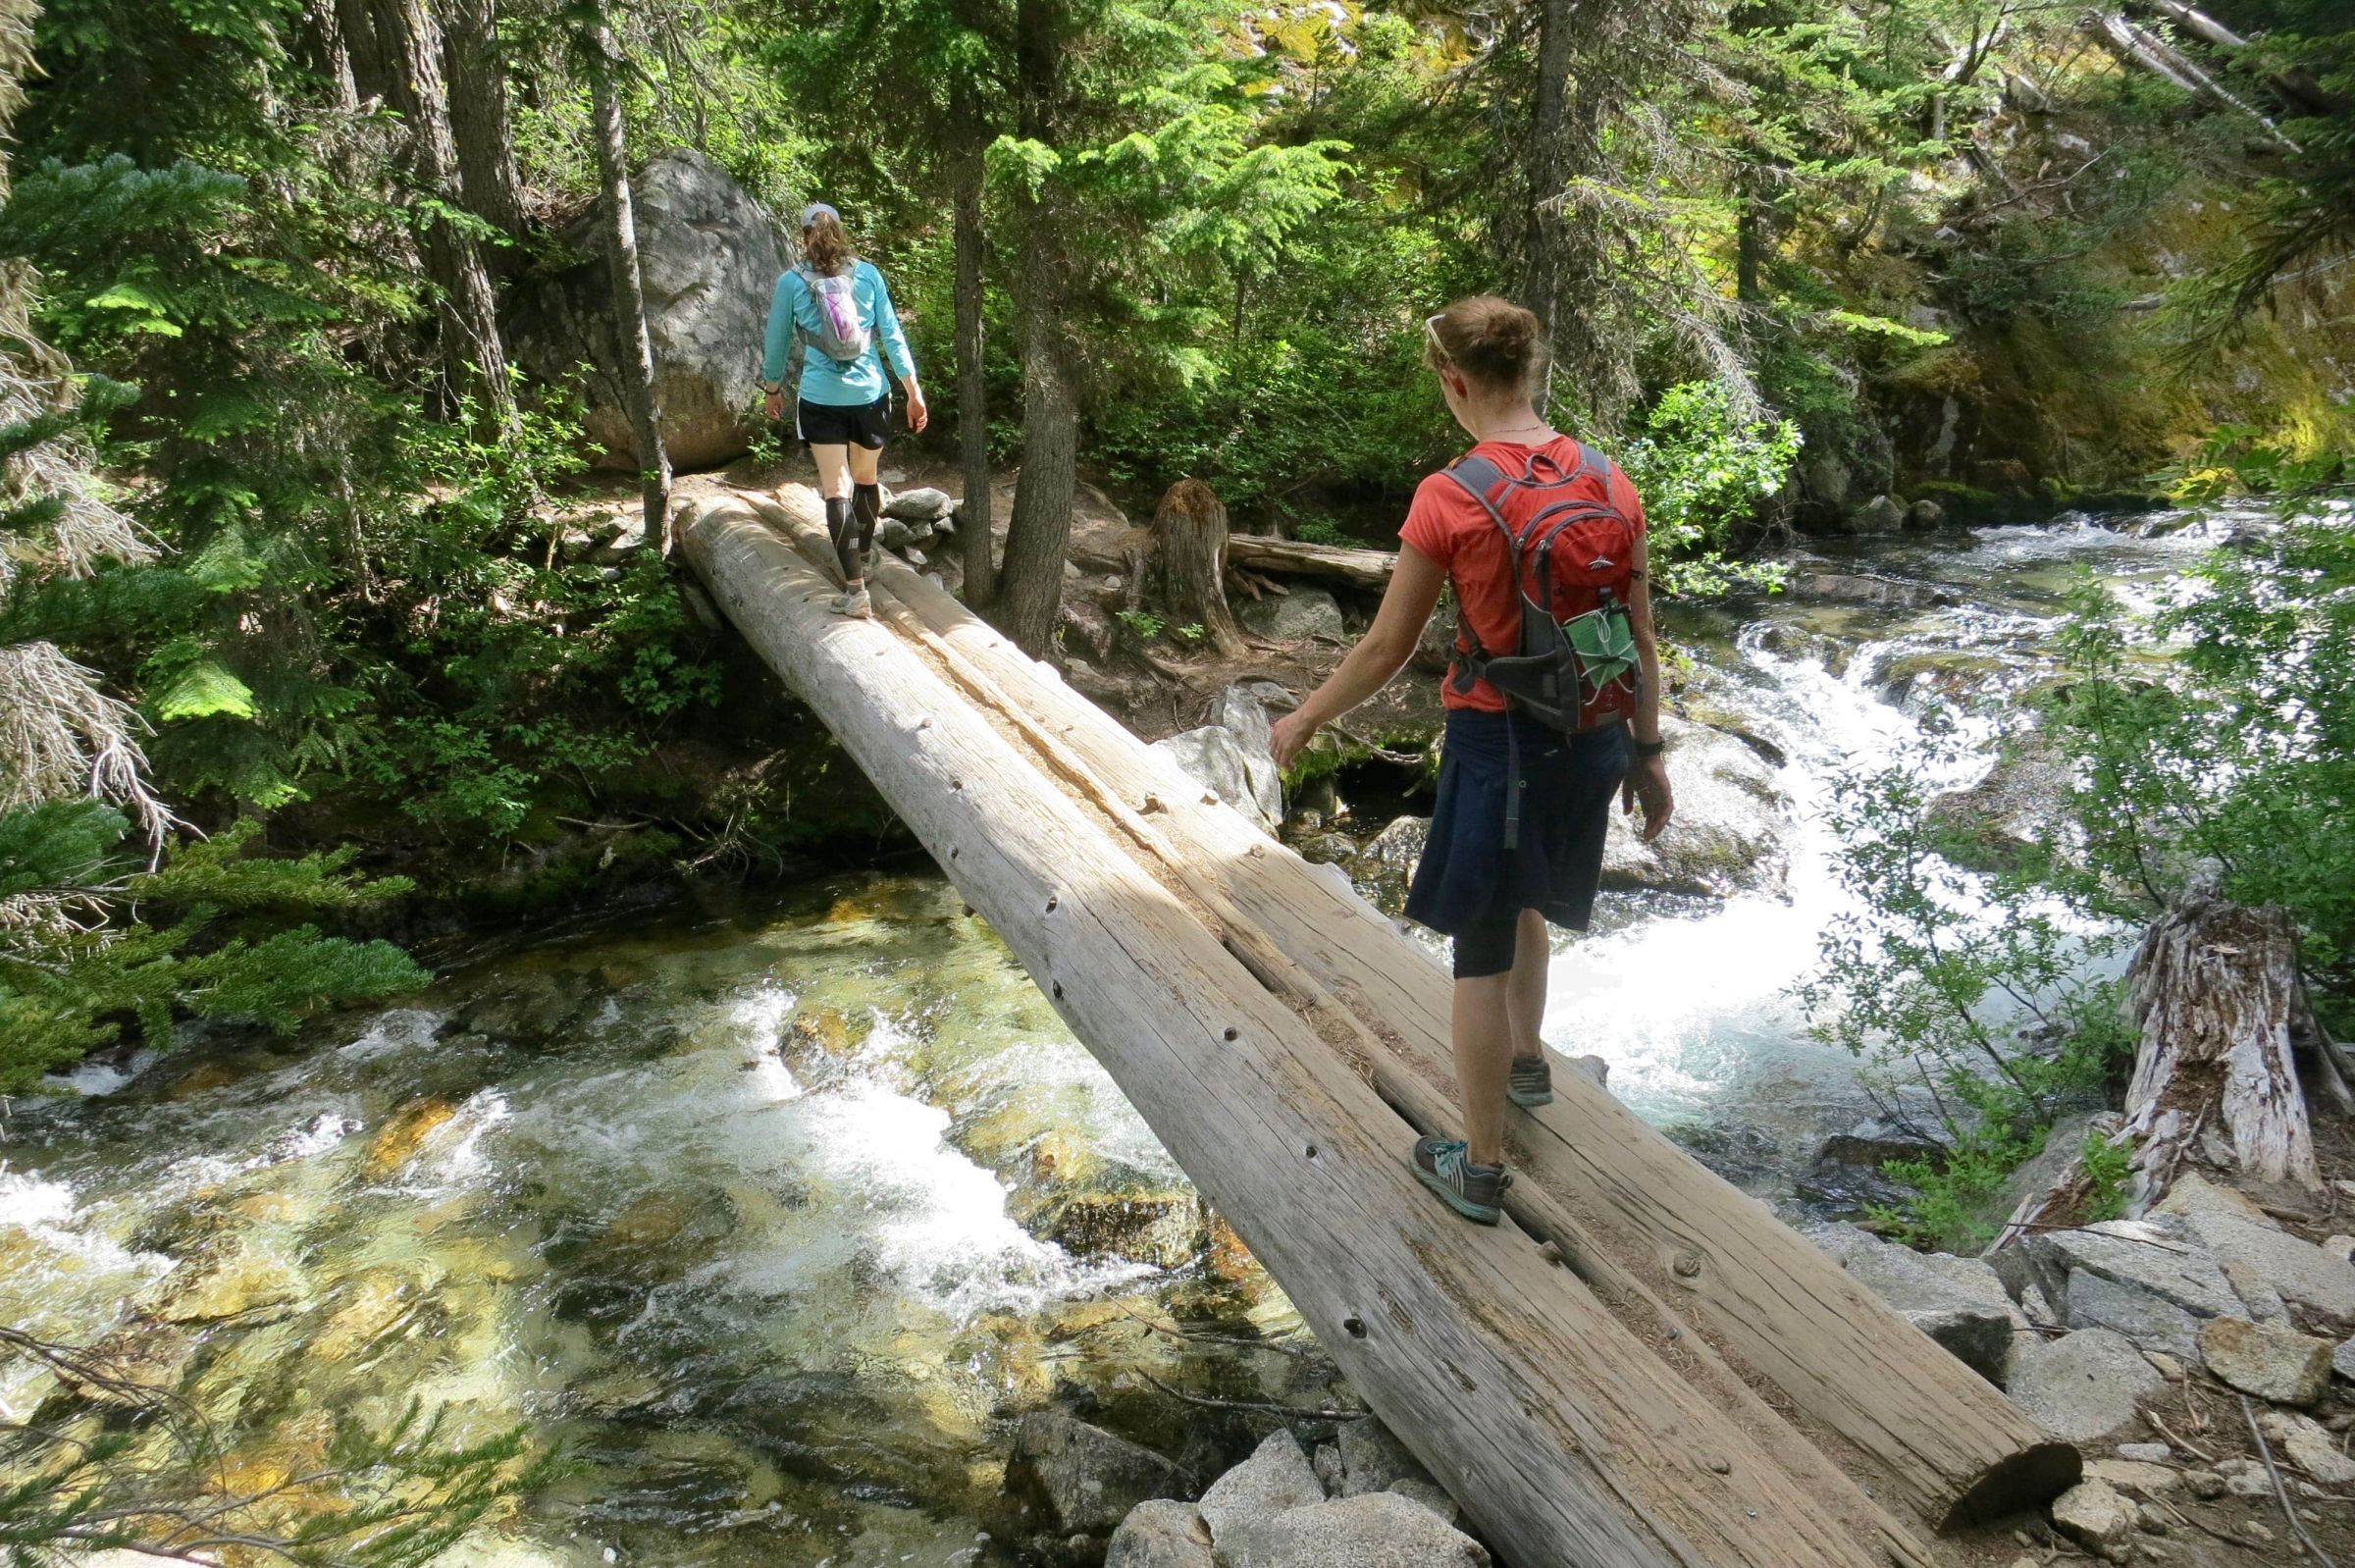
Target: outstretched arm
1406, 606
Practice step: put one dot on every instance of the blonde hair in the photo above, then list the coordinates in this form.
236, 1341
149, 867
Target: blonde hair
1491, 341
826, 248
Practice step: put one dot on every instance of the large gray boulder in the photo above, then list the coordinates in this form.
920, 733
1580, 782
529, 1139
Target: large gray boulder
711, 257
2083, 1386
1075, 1478
2153, 1255
1959, 1302
1378, 1529
1305, 614
1729, 829
1217, 758
2256, 1254
2152, 1322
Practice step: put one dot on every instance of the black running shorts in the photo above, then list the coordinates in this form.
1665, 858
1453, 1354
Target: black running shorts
844, 424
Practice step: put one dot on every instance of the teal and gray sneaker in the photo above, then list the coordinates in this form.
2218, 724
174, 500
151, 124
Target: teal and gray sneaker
1530, 1082
1444, 1166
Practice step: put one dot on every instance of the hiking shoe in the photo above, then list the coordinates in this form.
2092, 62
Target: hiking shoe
1530, 1082
1444, 1166
853, 604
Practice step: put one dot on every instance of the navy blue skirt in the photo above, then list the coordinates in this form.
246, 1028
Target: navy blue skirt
1468, 880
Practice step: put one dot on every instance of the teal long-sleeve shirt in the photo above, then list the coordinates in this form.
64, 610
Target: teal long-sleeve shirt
793, 324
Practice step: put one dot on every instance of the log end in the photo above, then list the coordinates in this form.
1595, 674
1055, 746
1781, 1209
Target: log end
2033, 1476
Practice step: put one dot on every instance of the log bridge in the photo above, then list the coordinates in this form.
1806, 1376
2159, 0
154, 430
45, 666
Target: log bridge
1644, 1368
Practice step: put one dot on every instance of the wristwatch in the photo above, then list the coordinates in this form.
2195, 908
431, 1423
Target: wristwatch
1650, 748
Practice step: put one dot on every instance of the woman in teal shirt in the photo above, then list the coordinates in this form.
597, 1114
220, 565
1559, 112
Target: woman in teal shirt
845, 404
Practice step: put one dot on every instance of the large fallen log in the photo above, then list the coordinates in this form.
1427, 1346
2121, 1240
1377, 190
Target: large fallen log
1675, 1246
1368, 570
1568, 1439
2216, 992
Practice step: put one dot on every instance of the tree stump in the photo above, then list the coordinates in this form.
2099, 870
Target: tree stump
1189, 544
2215, 990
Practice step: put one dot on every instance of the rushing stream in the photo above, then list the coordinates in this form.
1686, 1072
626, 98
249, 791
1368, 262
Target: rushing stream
774, 1217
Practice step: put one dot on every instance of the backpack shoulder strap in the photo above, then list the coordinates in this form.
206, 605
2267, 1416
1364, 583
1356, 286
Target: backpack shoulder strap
1478, 475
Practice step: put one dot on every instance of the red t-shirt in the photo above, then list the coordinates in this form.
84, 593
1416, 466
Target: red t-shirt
1450, 527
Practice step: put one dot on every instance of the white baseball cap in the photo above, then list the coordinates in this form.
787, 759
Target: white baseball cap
816, 210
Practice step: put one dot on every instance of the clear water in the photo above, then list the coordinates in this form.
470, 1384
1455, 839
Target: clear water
758, 1212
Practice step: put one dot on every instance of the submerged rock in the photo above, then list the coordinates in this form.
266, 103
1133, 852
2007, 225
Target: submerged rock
1164, 1230
1081, 1479
237, 1276
1385, 866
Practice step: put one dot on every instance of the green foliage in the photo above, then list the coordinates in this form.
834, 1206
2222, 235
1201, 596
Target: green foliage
2246, 459
221, 934
2221, 726
2108, 1166
1703, 474
1143, 624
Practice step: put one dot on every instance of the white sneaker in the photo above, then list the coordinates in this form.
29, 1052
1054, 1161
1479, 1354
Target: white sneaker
853, 604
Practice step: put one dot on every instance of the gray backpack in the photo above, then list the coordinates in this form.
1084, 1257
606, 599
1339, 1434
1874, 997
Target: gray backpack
841, 335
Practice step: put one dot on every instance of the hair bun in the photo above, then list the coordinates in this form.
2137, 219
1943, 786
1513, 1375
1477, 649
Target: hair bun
1490, 340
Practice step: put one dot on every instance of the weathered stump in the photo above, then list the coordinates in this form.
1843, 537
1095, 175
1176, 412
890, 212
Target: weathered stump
1189, 553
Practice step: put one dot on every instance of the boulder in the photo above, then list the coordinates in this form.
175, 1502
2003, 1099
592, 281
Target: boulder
2266, 1360
2083, 1386
1081, 1479
1729, 831
1161, 1534
1161, 1228
2310, 1445
234, 1278
2342, 1360
1373, 1459
1301, 615
1379, 1530
1926, 515
1866, 590
930, 506
1277, 1479
2092, 1514
711, 257
2150, 1321
1880, 515
2131, 1475
2250, 1247
1959, 1302
1214, 757
1243, 712
2150, 1255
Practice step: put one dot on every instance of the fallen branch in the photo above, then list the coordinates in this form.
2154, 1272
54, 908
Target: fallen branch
2289, 1510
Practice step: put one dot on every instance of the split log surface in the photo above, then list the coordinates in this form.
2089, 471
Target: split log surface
1629, 1211
1368, 570
1569, 1439
2215, 990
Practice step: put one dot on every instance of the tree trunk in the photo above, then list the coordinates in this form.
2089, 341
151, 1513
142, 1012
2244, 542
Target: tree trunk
974, 541
473, 358
480, 123
2153, 54
365, 31
2215, 990
1029, 597
1674, 1253
326, 51
1543, 244
629, 293
1189, 540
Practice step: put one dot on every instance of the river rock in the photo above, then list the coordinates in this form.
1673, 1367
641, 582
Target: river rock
1880, 515
1926, 515
1379, 1530
710, 257
1161, 1534
2150, 1255
135, 1368
2083, 1386
1301, 615
1164, 1230
1866, 589
235, 1277
925, 505
397, 1142
1373, 1459
1385, 866
2093, 1514
2249, 1246
2007, 813
1214, 757
2150, 1321
1959, 1302
1728, 833
2266, 1360
1277, 1479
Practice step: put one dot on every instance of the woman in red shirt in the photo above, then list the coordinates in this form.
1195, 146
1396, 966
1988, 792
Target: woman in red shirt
1493, 900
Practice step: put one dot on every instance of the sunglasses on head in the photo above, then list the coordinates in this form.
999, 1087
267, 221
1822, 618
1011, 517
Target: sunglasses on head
1431, 330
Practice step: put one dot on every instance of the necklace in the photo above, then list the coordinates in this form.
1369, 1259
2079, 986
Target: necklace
1499, 435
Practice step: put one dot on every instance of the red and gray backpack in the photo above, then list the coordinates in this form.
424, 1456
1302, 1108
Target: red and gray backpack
1573, 560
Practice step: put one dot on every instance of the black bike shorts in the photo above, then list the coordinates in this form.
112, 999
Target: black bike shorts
844, 424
